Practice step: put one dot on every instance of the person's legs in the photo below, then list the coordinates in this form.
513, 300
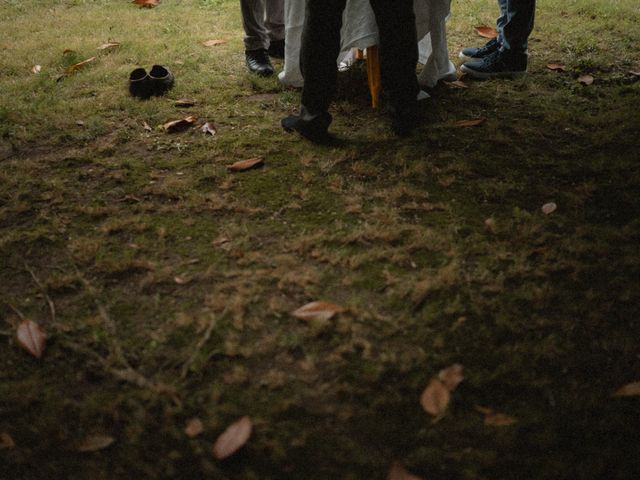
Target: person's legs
256, 35
274, 19
519, 24
502, 19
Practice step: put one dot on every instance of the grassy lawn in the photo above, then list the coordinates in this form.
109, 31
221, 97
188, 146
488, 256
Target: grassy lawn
165, 282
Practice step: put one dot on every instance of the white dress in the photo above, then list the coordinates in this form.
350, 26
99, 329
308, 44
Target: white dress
359, 30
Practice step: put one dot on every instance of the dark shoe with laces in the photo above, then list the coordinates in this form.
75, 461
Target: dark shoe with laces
470, 54
276, 49
499, 64
258, 62
140, 84
312, 127
161, 79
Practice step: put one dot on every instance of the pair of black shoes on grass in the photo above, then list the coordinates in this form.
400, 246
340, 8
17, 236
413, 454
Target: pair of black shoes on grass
155, 83
259, 61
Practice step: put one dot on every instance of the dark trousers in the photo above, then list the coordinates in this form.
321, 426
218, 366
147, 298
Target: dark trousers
515, 23
321, 47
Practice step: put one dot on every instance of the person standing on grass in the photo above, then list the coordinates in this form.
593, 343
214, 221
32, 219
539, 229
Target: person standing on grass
506, 55
321, 47
263, 22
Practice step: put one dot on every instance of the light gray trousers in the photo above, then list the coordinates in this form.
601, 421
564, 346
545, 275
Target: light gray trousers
263, 22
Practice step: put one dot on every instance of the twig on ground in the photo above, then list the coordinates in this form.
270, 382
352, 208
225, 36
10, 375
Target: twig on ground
207, 335
52, 306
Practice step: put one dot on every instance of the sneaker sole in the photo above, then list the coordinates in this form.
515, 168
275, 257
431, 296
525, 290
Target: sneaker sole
486, 76
467, 58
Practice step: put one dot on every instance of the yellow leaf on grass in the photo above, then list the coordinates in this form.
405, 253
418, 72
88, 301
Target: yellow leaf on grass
486, 32
398, 472
435, 398
214, 43
31, 337
629, 390
233, 438
318, 310
243, 165
469, 123
452, 376
93, 443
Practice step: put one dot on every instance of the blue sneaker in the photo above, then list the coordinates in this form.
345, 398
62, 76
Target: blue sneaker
499, 64
470, 54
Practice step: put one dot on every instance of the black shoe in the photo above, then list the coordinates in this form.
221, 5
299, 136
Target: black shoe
140, 84
313, 127
404, 119
161, 79
472, 53
258, 62
276, 49
499, 64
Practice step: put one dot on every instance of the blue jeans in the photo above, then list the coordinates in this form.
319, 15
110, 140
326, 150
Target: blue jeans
515, 24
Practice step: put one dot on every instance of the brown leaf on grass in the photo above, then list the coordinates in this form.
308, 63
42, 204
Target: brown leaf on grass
214, 43
456, 84
146, 126
66, 51
452, 376
185, 102
318, 310
629, 390
486, 32
36, 69
181, 279
147, 3
495, 419
556, 67
77, 66
6, 442
469, 123
398, 472
233, 438
93, 443
31, 337
435, 398
585, 80
194, 427
549, 208
179, 125
109, 46
209, 128
242, 165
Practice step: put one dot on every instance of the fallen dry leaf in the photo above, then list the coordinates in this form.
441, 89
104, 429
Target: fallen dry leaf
585, 80
109, 46
214, 43
549, 208
435, 398
185, 102
318, 310
398, 472
181, 279
243, 165
233, 438
499, 420
146, 126
456, 84
77, 66
194, 427
66, 51
147, 3
469, 123
556, 67
636, 74
93, 443
209, 127
179, 125
6, 442
31, 337
629, 390
452, 376
36, 69
486, 32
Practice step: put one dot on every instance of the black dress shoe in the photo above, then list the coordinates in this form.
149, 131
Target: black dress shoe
258, 62
312, 127
161, 79
276, 49
140, 84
